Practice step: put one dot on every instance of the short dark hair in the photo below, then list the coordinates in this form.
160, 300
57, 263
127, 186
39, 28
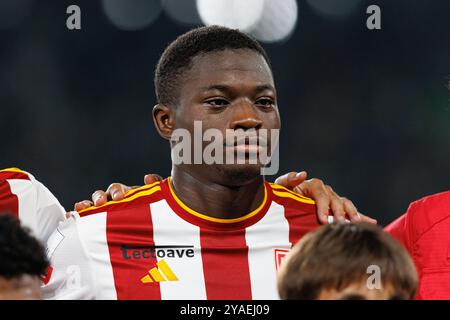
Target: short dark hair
338, 255
177, 57
20, 253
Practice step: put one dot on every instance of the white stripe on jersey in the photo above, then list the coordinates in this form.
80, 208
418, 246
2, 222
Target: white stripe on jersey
92, 231
26, 196
261, 255
170, 229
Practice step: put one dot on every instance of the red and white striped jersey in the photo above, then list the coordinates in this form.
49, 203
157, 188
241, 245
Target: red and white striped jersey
30, 201
150, 245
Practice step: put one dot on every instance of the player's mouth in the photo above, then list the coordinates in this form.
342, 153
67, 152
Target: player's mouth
247, 148
247, 145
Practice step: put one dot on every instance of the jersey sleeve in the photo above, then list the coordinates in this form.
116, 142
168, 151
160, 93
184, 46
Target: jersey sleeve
69, 276
30, 201
49, 212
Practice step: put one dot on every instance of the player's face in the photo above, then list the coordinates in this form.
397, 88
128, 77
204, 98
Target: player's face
20, 288
230, 89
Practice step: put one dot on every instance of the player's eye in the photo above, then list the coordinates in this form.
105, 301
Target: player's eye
265, 102
217, 103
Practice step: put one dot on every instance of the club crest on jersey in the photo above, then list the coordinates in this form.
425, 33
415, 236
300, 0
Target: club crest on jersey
160, 273
280, 255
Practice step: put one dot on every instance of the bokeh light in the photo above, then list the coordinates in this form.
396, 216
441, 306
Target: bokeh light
236, 14
277, 22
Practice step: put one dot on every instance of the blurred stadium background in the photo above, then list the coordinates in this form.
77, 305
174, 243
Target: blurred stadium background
367, 111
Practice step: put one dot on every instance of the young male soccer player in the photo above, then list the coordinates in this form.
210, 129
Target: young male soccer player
215, 231
343, 261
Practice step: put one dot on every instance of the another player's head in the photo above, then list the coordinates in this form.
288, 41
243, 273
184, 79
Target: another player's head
22, 261
347, 261
221, 77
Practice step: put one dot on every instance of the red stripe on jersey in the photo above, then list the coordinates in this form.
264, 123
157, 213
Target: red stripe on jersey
9, 203
5, 175
301, 217
130, 239
225, 264
46, 278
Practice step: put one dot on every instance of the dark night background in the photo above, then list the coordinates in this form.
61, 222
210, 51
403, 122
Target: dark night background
366, 111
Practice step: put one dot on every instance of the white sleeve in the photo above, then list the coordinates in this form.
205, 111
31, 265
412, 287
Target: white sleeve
49, 212
70, 276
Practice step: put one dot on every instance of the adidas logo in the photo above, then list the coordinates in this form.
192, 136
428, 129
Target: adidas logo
161, 272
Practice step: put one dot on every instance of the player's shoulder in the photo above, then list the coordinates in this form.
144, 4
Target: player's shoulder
300, 211
437, 204
429, 211
144, 195
289, 198
15, 173
18, 181
436, 200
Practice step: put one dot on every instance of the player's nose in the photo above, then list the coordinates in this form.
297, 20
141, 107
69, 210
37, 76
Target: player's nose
245, 116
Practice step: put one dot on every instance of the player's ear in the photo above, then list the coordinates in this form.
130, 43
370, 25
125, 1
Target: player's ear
163, 117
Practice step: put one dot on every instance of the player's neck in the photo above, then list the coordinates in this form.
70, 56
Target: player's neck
217, 200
